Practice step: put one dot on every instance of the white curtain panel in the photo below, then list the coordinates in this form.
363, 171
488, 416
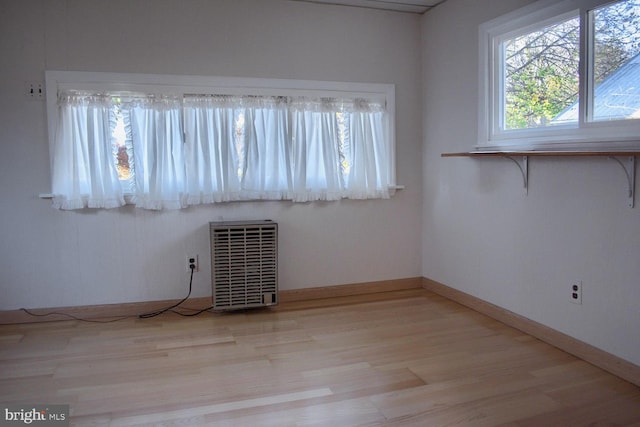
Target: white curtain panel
267, 149
212, 147
83, 171
317, 174
202, 149
369, 175
156, 133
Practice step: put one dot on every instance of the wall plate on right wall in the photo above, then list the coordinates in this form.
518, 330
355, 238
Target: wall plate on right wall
576, 292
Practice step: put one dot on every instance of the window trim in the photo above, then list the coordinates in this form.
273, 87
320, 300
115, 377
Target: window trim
584, 135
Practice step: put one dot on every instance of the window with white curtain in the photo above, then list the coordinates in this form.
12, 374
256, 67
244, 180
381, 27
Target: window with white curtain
168, 142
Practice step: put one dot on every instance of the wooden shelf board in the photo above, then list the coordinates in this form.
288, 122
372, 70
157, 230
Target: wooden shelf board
496, 153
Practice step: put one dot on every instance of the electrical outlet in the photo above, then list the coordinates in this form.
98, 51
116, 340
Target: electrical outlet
34, 90
192, 263
576, 292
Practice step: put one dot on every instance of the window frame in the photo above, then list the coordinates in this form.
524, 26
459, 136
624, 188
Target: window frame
184, 85
585, 134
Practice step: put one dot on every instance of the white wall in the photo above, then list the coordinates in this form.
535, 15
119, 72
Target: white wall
50, 258
482, 235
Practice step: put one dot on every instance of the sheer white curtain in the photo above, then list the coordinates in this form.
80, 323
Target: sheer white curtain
212, 149
268, 173
237, 148
156, 133
83, 170
316, 151
205, 149
367, 151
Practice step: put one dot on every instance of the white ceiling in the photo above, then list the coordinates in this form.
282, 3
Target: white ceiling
411, 6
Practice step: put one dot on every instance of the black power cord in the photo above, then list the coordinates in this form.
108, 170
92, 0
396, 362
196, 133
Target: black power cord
195, 311
170, 308
140, 316
55, 313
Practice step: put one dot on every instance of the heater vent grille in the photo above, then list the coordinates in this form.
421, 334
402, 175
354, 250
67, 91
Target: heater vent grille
244, 264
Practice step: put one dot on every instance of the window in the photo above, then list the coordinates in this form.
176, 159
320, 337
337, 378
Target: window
562, 75
541, 74
167, 142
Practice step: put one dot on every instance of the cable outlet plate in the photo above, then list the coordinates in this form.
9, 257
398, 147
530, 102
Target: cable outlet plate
192, 260
576, 292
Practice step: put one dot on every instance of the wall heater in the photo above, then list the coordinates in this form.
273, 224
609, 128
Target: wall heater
244, 264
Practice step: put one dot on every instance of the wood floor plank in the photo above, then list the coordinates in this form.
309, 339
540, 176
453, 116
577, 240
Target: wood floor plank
216, 408
405, 358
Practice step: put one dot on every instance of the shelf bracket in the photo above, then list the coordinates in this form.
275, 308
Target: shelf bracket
629, 168
523, 165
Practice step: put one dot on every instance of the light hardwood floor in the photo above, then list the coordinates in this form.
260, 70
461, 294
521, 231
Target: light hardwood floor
398, 358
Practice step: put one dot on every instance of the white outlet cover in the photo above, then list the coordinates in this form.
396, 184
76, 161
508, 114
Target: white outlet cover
196, 263
576, 293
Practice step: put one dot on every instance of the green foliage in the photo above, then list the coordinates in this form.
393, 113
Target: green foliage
541, 95
541, 74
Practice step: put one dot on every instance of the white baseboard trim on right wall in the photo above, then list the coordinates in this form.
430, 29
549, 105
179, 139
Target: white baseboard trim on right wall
600, 358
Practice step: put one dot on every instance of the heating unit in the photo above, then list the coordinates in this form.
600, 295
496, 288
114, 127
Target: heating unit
244, 264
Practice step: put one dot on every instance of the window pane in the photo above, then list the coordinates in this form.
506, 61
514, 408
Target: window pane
541, 76
122, 147
344, 144
119, 143
616, 61
239, 139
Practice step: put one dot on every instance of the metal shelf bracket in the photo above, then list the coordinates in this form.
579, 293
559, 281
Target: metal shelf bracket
626, 160
523, 165
629, 168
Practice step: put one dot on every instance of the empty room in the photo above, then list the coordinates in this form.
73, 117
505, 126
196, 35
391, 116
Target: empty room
319, 212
